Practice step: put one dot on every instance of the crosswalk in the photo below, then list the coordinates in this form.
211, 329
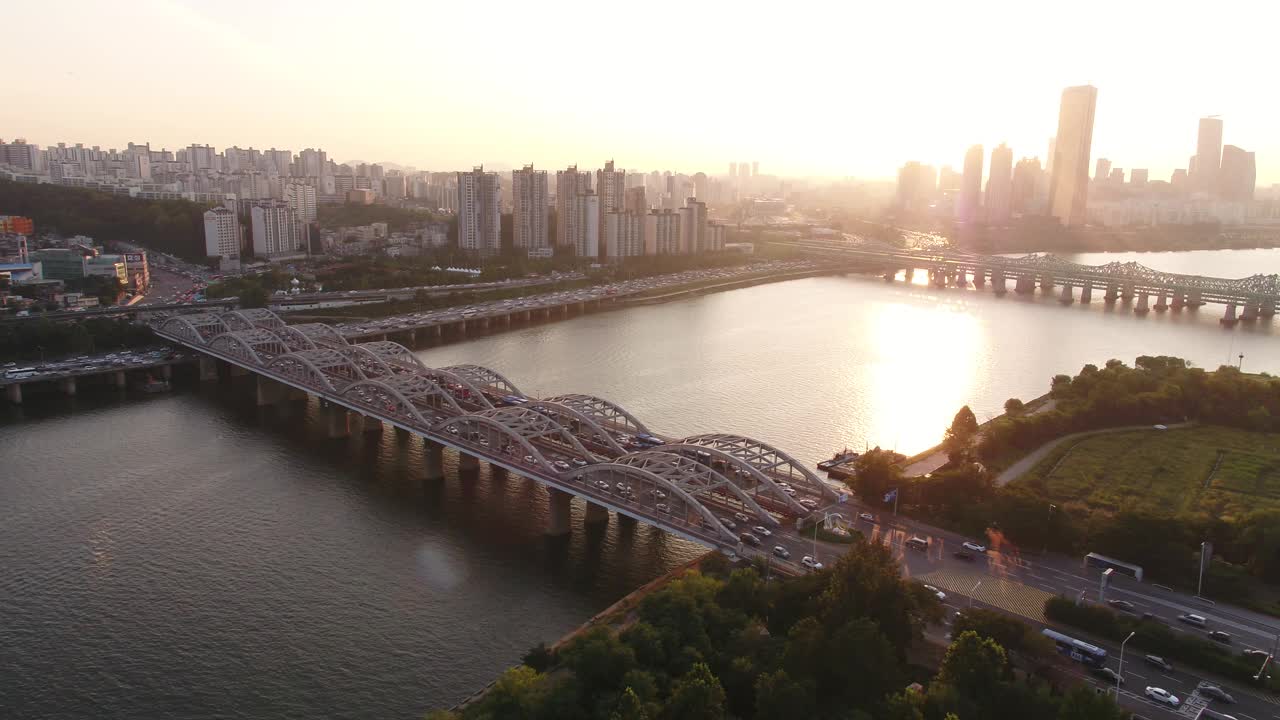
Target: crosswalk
1008, 596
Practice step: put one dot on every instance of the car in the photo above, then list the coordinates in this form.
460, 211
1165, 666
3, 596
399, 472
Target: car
602, 485
916, 542
1213, 692
660, 494
762, 531
749, 539
1159, 662
1161, 695
936, 592
867, 516
728, 523
1111, 676
741, 517
781, 552
561, 465
662, 508
529, 459
1123, 605
578, 462
1220, 636
810, 562
810, 503
1208, 714
789, 490
963, 555
973, 546
1193, 619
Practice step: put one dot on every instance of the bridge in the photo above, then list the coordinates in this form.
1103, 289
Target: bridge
1246, 299
575, 445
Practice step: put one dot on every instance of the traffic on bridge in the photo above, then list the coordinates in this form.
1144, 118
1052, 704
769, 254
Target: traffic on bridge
724, 491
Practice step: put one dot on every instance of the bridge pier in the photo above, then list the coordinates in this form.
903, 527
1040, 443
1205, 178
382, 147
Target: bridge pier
1086, 294
1162, 302
1249, 312
468, 462
1046, 283
236, 370
462, 328
560, 512
412, 337
370, 425
1142, 308
336, 423
1113, 293
67, 386
1025, 284
14, 393
909, 274
980, 277
1268, 308
596, 514
961, 279
1126, 291
269, 392
433, 459
1194, 300
1229, 319
1066, 298
118, 379
208, 369
166, 372
997, 282
1179, 301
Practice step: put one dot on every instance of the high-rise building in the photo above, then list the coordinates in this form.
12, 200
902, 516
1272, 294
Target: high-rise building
202, 157
1138, 177
302, 198
611, 188
585, 208
1180, 180
221, 233
1069, 181
312, 163
479, 211
1116, 179
1027, 178
1048, 162
1204, 176
636, 201
570, 184
662, 233
701, 187
394, 187
20, 153
693, 226
1237, 176
916, 185
755, 168
529, 212
1102, 170
624, 234
1000, 186
276, 228
948, 179
970, 186
733, 169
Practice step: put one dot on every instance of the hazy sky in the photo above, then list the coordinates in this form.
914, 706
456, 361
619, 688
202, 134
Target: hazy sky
840, 88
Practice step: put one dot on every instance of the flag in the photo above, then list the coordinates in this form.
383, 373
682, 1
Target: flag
891, 495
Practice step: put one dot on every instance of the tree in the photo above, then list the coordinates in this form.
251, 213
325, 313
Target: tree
539, 657
629, 707
598, 659
778, 697
696, 696
1011, 633
517, 693
974, 666
960, 436
1014, 406
1083, 703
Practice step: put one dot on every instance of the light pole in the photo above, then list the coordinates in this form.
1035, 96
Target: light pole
1048, 524
973, 590
1120, 674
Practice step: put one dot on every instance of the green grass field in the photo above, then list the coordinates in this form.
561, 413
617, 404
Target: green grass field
1205, 469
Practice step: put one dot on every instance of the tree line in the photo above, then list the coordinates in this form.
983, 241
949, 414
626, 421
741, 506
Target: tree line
36, 339
726, 642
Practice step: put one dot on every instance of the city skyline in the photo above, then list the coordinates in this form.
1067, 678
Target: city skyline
425, 117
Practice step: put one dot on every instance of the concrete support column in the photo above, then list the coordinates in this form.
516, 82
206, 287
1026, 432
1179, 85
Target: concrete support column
208, 369
980, 277
997, 282
560, 512
412, 337
1249, 312
1066, 298
166, 372
1046, 283
467, 462
961, 279
269, 392
1025, 285
909, 274
1113, 293
14, 393
336, 422
436, 331
1193, 299
1162, 303
1268, 308
1142, 308
370, 424
1179, 301
67, 386
462, 327
1086, 295
236, 370
118, 379
596, 514
1127, 292
1230, 318
433, 459
582, 307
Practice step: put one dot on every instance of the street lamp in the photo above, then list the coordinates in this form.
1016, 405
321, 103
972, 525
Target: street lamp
1048, 524
973, 590
1120, 674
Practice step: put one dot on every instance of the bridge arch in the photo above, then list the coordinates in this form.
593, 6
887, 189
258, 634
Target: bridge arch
371, 364
394, 354
765, 458
470, 429
457, 386
533, 425
254, 345
385, 399
565, 415
484, 377
196, 329
293, 339
251, 318
740, 472
320, 334
602, 411
683, 509
694, 477
325, 367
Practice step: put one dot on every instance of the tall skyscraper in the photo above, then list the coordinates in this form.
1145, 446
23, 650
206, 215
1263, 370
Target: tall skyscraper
1048, 159
1027, 178
733, 169
1101, 170
1204, 176
1000, 186
1237, 176
570, 184
1069, 182
221, 233
302, 198
276, 228
479, 211
1138, 177
312, 163
970, 186
611, 188
529, 213
755, 168
637, 201
916, 185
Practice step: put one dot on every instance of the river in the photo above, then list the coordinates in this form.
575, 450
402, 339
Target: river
193, 556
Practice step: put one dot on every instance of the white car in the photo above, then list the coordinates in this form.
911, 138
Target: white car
967, 545
810, 563
867, 516
937, 593
762, 531
1161, 695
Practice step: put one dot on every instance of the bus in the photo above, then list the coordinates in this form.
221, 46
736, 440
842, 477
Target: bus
1078, 650
1102, 562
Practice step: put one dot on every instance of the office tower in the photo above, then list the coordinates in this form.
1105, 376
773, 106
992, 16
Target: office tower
693, 224
611, 187
1069, 181
636, 200
1180, 180
529, 214
701, 188
479, 211
916, 185
1116, 179
662, 233
394, 187
312, 163
733, 169
1204, 175
1000, 185
1027, 178
1237, 176
1048, 159
276, 228
755, 168
970, 186
221, 233
624, 234
1102, 170
948, 179
569, 185
302, 198
1138, 177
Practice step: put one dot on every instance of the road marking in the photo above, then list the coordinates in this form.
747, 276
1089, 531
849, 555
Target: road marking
1140, 677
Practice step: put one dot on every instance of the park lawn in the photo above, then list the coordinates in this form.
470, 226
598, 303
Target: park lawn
1169, 472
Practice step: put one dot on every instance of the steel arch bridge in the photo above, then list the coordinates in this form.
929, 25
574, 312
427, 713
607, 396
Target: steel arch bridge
572, 443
